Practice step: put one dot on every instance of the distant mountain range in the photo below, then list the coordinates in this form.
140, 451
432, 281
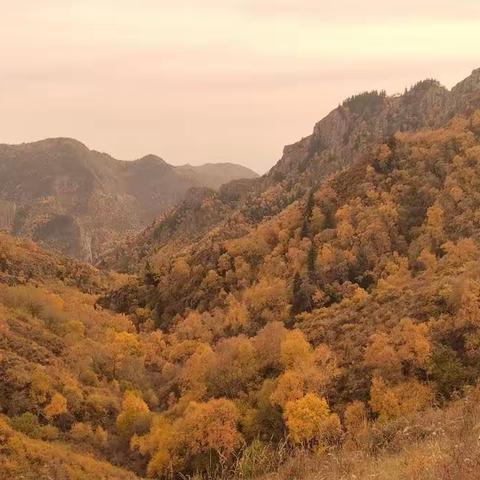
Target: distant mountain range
80, 202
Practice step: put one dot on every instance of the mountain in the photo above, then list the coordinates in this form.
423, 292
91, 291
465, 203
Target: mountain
344, 282
321, 321
340, 139
80, 202
214, 175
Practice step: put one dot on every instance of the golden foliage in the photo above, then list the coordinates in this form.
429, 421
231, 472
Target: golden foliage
134, 414
57, 406
243, 335
402, 399
309, 420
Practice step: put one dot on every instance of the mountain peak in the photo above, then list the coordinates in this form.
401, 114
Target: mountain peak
472, 81
50, 144
341, 137
56, 142
82, 202
151, 159
475, 73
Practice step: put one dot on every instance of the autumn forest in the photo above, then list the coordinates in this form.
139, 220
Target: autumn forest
321, 321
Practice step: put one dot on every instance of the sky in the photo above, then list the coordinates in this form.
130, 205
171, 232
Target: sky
198, 81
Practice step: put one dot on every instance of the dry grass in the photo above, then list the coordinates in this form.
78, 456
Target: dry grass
437, 445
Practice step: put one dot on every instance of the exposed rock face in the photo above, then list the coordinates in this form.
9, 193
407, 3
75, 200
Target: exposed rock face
342, 136
7, 215
81, 202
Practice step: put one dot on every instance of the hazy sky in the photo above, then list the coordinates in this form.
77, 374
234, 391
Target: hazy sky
214, 80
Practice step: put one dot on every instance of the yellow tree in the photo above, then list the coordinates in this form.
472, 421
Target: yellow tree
412, 343
393, 401
57, 406
268, 343
194, 374
235, 367
123, 347
211, 427
160, 444
310, 422
295, 351
380, 355
267, 300
236, 316
289, 386
134, 415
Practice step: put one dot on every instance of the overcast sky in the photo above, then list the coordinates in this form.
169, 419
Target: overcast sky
216, 80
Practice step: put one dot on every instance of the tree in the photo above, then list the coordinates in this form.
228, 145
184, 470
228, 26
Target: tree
267, 300
290, 386
295, 351
211, 427
413, 344
235, 367
194, 375
124, 347
193, 327
236, 316
267, 344
134, 416
381, 356
447, 371
310, 422
160, 443
57, 406
402, 399
39, 386
405, 349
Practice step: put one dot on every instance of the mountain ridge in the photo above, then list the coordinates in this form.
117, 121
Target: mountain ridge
81, 201
338, 140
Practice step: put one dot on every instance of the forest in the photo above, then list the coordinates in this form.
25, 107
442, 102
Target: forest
335, 336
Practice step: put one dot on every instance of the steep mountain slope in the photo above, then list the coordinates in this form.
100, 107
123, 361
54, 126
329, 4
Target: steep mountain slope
338, 326
340, 139
78, 201
24, 457
322, 326
377, 267
49, 331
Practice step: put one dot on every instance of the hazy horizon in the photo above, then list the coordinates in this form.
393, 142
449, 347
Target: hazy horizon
231, 81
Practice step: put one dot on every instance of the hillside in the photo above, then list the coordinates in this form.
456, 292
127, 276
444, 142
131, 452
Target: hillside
80, 202
340, 139
296, 326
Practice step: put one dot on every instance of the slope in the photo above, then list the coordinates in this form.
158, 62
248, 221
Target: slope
326, 322
339, 140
